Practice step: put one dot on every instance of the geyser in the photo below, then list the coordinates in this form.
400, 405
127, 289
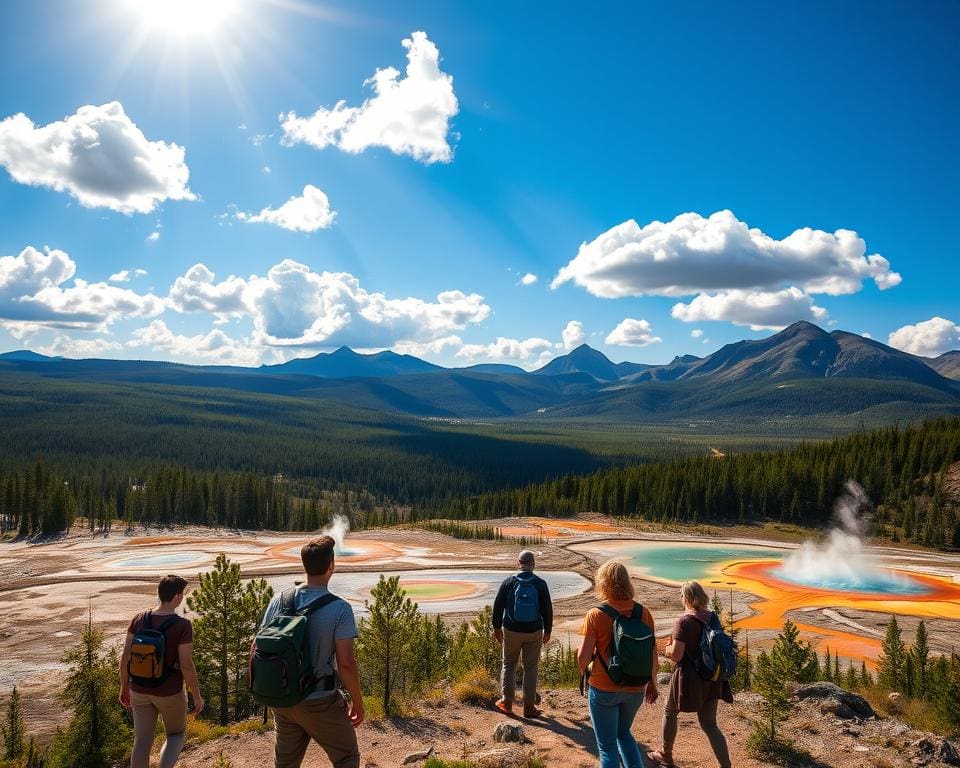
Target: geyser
338, 529
841, 562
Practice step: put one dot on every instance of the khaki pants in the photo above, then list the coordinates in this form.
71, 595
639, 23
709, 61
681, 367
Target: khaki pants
173, 711
516, 645
323, 720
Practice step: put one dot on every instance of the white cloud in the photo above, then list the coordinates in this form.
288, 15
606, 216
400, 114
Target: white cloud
759, 310
196, 291
307, 213
123, 276
528, 279
696, 333
292, 306
428, 348
928, 339
212, 347
528, 353
573, 335
67, 346
267, 169
408, 115
632, 333
153, 237
693, 254
32, 295
99, 156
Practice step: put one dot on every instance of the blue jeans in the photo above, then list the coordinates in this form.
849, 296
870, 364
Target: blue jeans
612, 714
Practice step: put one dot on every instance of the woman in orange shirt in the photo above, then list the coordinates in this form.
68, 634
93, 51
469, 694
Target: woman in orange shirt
612, 706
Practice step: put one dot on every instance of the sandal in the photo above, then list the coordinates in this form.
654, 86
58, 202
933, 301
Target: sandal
660, 759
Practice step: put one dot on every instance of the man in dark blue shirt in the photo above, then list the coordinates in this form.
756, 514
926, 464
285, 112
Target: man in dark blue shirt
522, 621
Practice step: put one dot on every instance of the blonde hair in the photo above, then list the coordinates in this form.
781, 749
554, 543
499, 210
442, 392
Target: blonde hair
694, 595
613, 581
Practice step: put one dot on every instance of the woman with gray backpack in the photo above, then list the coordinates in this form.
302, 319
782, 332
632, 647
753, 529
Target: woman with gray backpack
618, 659
706, 659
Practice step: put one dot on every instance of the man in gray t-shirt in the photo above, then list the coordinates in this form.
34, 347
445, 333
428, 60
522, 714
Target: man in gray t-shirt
324, 716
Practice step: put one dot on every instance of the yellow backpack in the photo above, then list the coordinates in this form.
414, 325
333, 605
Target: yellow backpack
148, 653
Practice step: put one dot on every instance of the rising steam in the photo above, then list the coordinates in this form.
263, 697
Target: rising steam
841, 561
338, 529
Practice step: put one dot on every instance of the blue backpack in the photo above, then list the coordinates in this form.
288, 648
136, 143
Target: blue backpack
526, 600
717, 659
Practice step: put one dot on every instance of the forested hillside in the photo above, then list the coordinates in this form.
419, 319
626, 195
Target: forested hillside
902, 469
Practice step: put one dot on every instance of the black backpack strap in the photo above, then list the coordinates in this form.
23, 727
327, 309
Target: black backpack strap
608, 609
637, 612
169, 622
317, 604
288, 601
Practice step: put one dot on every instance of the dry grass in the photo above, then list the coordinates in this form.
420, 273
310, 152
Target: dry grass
476, 687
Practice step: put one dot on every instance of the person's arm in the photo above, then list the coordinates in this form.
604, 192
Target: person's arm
349, 675
546, 611
498, 607
675, 650
125, 671
189, 670
587, 648
650, 695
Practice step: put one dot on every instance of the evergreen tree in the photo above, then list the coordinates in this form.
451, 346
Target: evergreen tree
97, 734
769, 679
13, 729
920, 656
866, 679
385, 639
474, 647
892, 659
792, 658
228, 613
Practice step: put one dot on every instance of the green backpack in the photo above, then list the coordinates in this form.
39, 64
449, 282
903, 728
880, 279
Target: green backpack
280, 672
630, 656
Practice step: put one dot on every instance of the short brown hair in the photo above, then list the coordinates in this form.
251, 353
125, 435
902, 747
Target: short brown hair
169, 587
613, 581
317, 555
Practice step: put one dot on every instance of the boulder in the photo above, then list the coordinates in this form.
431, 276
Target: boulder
836, 700
948, 752
511, 756
508, 732
894, 697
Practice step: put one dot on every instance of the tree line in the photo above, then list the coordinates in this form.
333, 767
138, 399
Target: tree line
903, 469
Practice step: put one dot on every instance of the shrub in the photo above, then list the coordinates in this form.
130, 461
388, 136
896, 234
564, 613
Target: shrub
476, 687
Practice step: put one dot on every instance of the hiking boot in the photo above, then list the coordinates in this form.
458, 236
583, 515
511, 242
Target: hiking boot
530, 714
503, 706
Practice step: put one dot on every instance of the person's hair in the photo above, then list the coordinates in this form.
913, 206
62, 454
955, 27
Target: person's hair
169, 587
526, 558
694, 595
317, 555
613, 581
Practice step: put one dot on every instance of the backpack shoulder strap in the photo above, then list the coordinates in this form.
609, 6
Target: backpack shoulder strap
288, 601
169, 622
637, 612
316, 605
609, 610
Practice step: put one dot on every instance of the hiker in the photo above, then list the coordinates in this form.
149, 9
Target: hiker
689, 691
156, 661
323, 715
522, 621
618, 659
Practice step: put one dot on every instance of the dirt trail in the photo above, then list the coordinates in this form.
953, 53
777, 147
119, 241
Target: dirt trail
564, 737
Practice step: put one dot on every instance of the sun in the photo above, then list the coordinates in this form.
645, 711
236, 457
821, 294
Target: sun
186, 17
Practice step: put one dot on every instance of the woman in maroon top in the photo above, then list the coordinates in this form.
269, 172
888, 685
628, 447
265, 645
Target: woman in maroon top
688, 691
168, 699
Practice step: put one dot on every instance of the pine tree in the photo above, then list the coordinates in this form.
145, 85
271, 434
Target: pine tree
97, 734
892, 659
228, 613
920, 655
769, 680
793, 658
13, 729
385, 638
866, 679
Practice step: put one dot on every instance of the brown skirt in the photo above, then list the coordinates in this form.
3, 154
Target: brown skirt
689, 692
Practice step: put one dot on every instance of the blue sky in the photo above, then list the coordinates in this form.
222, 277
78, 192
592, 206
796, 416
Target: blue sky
536, 139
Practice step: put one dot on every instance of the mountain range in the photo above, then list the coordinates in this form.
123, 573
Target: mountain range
801, 371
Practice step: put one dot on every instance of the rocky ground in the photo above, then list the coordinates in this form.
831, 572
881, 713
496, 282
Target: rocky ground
828, 725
